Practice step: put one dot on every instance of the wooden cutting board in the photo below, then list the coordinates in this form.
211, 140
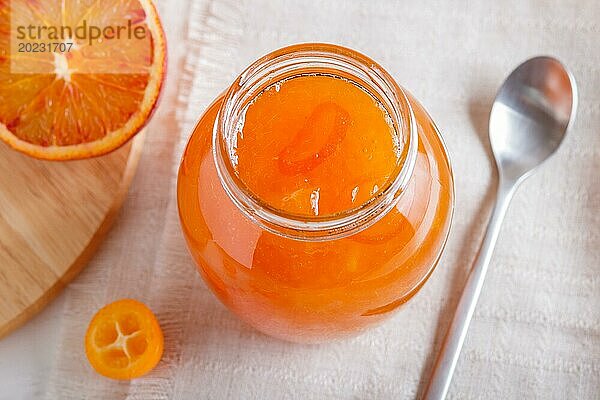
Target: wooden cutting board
53, 215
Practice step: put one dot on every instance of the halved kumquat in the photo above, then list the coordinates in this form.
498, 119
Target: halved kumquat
124, 340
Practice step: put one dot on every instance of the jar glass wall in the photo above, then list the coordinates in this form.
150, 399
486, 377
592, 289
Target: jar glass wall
303, 278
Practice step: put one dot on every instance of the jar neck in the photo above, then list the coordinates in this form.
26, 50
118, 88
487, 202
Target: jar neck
307, 59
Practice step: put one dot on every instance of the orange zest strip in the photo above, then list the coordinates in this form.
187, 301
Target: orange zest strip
318, 139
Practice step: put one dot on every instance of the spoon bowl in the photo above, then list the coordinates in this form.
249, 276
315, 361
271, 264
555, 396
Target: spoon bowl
531, 114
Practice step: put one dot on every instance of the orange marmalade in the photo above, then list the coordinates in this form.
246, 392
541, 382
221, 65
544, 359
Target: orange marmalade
315, 195
325, 147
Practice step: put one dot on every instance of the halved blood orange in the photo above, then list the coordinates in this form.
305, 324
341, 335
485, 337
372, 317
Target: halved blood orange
88, 101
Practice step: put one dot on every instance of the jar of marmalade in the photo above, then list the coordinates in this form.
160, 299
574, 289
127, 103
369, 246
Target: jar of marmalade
316, 194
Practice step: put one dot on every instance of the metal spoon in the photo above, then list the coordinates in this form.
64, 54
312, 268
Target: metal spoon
531, 114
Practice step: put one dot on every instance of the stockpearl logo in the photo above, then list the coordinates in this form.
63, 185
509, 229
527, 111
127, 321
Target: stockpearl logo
45, 38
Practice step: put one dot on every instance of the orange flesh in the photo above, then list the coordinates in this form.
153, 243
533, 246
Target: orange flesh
326, 146
46, 111
86, 101
314, 291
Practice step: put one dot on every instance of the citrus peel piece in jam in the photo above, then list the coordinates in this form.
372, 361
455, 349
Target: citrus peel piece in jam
318, 139
394, 226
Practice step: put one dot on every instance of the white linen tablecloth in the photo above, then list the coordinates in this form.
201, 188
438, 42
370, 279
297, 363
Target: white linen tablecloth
536, 331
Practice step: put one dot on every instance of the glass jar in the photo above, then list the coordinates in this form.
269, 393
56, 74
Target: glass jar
313, 279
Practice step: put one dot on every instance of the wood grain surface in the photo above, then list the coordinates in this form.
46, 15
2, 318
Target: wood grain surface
53, 215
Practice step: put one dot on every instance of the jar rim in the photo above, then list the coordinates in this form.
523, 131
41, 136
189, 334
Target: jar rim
290, 62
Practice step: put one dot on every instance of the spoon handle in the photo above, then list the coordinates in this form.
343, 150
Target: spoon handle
448, 357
